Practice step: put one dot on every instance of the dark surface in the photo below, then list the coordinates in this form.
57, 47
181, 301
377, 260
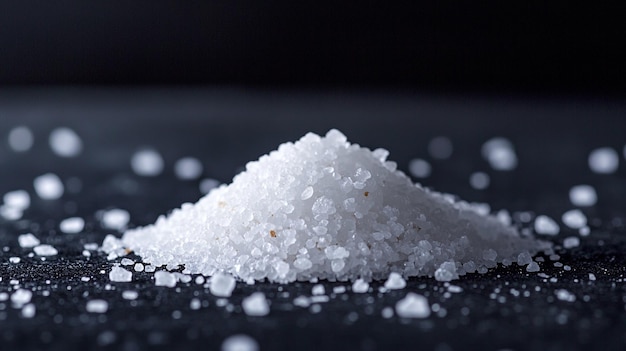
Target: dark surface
225, 129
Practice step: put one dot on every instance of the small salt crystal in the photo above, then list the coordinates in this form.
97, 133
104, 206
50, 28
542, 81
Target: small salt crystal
440, 148
565, 295
447, 272
119, 274
455, 289
546, 225
45, 250
147, 163
413, 306
360, 286
21, 297
127, 262
339, 289
28, 240
574, 219
206, 185
479, 180
15, 259
255, 305
524, 258
395, 282
239, 342
583, 195
419, 168
222, 285
28, 311
97, 306
65, 142
18, 199
129, 295
532, 267
500, 154
387, 312
188, 168
10, 213
318, 290
163, 278
20, 139
138, 267
592, 277
48, 186
72, 225
195, 304
115, 219
571, 242
603, 160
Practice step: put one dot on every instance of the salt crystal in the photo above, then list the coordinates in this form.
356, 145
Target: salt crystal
119, 274
188, 168
28, 311
163, 278
21, 297
10, 213
138, 267
447, 272
363, 218
45, 250
255, 305
574, 219
571, 242
339, 289
318, 290
65, 142
130, 295
395, 282
500, 154
592, 277
387, 312
565, 295
147, 163
97, 306
583, 195
419, 168
72, 225
532, 267
116, 219
546, 225
239, 342
479, 180
222, 284
48, 186
127, 262
28, 240
20, 139
206, 185
440, 148
360, 286
195, 304
14, 259
604, 160
413, 306
18, 199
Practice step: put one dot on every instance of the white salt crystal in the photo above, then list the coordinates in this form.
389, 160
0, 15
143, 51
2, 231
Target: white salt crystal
15, 259
127, 262
195, 304
48, 186
387, 312
147, 163
163, 278
419, 168
18, 199
10, 213
532, 267
584, 231
360, 286
116, 219
21, 297
447, 272
546, 225
188, 168
479, 180
28, 311
413, 306
318, 290
20, 139
500, 154
119, 274
45, 250
138, 267
72, 225
571, 242
130, 295
222, 284
65, 142
239, 342
592, 277
574, 219
208, 184
440, 148
28, 240
256, 305
339, 289
97, 306
604, 160
583, 195
565, 295
524, 259
364, 218
395, 282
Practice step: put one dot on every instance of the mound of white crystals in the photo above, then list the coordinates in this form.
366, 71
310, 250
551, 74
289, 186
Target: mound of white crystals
324, 208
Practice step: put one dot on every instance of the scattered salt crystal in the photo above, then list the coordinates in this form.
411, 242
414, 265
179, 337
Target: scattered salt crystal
592, 277
318, 290
455, 289
127, 262
119, 274
97, 306
395, 282
584, 231
583, 195
447, 272
419, 168
130, 295
195, 304
603, 160
413, 306
65, 142
339, 289
10, 213
149, 268
532, 267
85, 279
28, 240
360, 286
28, 311
48, 186
18, 199
45, 250
546, 225
479, 180
440, 148
138, 267
20, 139
387, 312
188, 168
15, 259
116, 219
147, 163
222, 284
72, 225
500, 154
524, 258
240, 342
163, 278
255, 305
565, 295
571, 242
208, 184
574, 219
21, 297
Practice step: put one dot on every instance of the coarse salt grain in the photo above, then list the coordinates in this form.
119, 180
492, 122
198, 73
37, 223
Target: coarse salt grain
583, 195
419, 168
45, 250
574, 219
256, 305
147, 163
97, 306
48, 186
413, 306
116, 219
18, 199
546, 225
239, 342
188, 168
65, 142
72, 225
20, 139
603, 160
28, 240
479, 180
222, 285
119, 274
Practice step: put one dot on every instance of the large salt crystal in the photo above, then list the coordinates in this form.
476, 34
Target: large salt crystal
222, 285
256, 305
326, 209
28, 240
49, 186
604, 160
119, 274
413, 306
45, 250
163, 278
